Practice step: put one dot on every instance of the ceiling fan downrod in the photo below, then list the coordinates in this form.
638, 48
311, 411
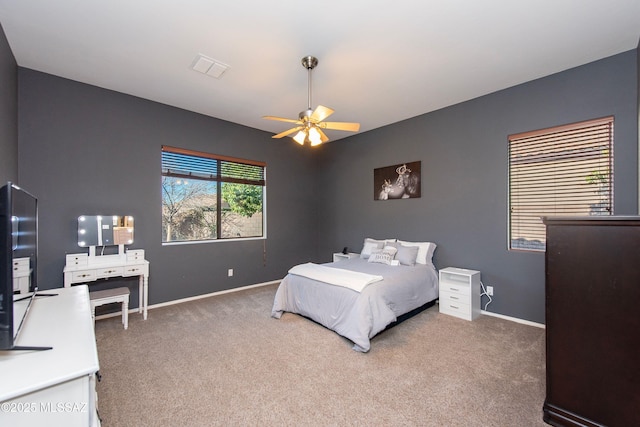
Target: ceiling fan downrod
309, 62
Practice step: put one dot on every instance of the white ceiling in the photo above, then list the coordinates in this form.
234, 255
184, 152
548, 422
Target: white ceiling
380, 61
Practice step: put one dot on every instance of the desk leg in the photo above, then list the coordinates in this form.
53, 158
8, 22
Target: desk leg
143, 295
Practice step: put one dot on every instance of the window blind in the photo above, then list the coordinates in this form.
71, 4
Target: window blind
563, 171
183, 163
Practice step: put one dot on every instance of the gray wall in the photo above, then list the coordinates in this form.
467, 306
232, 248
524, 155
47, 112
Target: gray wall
463, 150
86, 150
83, 150
8, 112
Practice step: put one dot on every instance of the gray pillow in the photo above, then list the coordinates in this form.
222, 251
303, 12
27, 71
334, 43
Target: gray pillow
407, 255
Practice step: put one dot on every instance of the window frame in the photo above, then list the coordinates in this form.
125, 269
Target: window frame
569, 151
219, 180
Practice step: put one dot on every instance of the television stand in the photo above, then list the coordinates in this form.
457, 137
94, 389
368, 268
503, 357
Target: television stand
66, 374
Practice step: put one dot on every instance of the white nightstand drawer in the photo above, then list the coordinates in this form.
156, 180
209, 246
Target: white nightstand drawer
454, 298
456, 288
83, 276
455, 309
109, 272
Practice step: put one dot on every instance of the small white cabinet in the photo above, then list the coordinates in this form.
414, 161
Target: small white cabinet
21, 275
338, 256
460, 292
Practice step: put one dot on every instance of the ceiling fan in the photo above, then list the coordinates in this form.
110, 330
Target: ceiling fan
310, 122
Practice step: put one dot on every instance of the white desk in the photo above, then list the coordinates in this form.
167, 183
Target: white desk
52, 387
82, 268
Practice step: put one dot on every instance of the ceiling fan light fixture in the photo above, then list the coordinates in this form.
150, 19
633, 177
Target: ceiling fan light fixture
300, 137
314, 136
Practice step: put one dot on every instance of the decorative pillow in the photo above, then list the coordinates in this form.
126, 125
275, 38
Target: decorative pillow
369, 245
425, 251
407, 255
383, 256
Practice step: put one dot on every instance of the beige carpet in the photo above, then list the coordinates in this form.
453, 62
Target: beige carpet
223, 361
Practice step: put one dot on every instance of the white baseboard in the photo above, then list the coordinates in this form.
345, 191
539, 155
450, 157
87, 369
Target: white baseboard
179, 301
514, 319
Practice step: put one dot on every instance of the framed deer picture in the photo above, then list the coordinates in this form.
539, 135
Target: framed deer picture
397, 182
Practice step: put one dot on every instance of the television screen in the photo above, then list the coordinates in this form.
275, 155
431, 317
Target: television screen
19, 239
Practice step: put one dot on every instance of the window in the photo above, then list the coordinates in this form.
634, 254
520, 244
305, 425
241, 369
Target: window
562, 171
211, 197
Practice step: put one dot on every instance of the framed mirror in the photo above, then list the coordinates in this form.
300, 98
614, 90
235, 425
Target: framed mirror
104, 230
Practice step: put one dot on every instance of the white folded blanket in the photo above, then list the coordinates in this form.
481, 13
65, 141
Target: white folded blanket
335, 276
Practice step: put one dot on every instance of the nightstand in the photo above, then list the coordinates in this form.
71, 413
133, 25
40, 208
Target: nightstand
339, 256
460, 292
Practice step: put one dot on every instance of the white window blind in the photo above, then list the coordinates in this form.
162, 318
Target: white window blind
562, 171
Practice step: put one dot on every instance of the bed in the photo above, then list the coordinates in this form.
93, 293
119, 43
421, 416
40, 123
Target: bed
361, 296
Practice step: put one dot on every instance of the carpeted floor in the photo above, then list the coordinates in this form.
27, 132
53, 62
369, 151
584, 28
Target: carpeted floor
223, 361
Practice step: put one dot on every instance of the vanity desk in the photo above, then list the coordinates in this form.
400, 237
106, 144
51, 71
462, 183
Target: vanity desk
83, 268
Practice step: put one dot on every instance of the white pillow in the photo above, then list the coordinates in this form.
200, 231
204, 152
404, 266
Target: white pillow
425, 251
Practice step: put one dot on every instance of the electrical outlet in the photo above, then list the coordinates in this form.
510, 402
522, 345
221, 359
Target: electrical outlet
230, 272
490, 291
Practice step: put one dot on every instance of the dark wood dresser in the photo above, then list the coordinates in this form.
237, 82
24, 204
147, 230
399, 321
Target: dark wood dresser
592, 321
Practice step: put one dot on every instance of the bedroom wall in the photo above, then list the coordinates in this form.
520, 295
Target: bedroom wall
87, 150
8, 112
463, 150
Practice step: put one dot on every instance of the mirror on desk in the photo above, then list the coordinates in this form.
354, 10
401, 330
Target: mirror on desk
104, 230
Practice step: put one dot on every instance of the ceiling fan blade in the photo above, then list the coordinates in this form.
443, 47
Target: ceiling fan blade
351, 127
320, 113
282, 119
288, 132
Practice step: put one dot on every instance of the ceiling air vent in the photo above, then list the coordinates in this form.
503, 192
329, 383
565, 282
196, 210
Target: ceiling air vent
209, 66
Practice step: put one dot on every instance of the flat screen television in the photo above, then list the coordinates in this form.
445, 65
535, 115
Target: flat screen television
19, 239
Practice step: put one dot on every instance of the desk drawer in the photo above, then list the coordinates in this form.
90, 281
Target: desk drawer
109, 272
133, 270
83, 276
77, 259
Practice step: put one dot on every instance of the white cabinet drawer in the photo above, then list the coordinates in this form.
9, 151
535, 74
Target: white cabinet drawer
458, 288
454, 297
21, 267
109, 272
77, 259
455, 309
83, 276
135, 255
133, 270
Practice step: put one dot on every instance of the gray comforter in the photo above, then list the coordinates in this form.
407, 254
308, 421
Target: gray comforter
358, 316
